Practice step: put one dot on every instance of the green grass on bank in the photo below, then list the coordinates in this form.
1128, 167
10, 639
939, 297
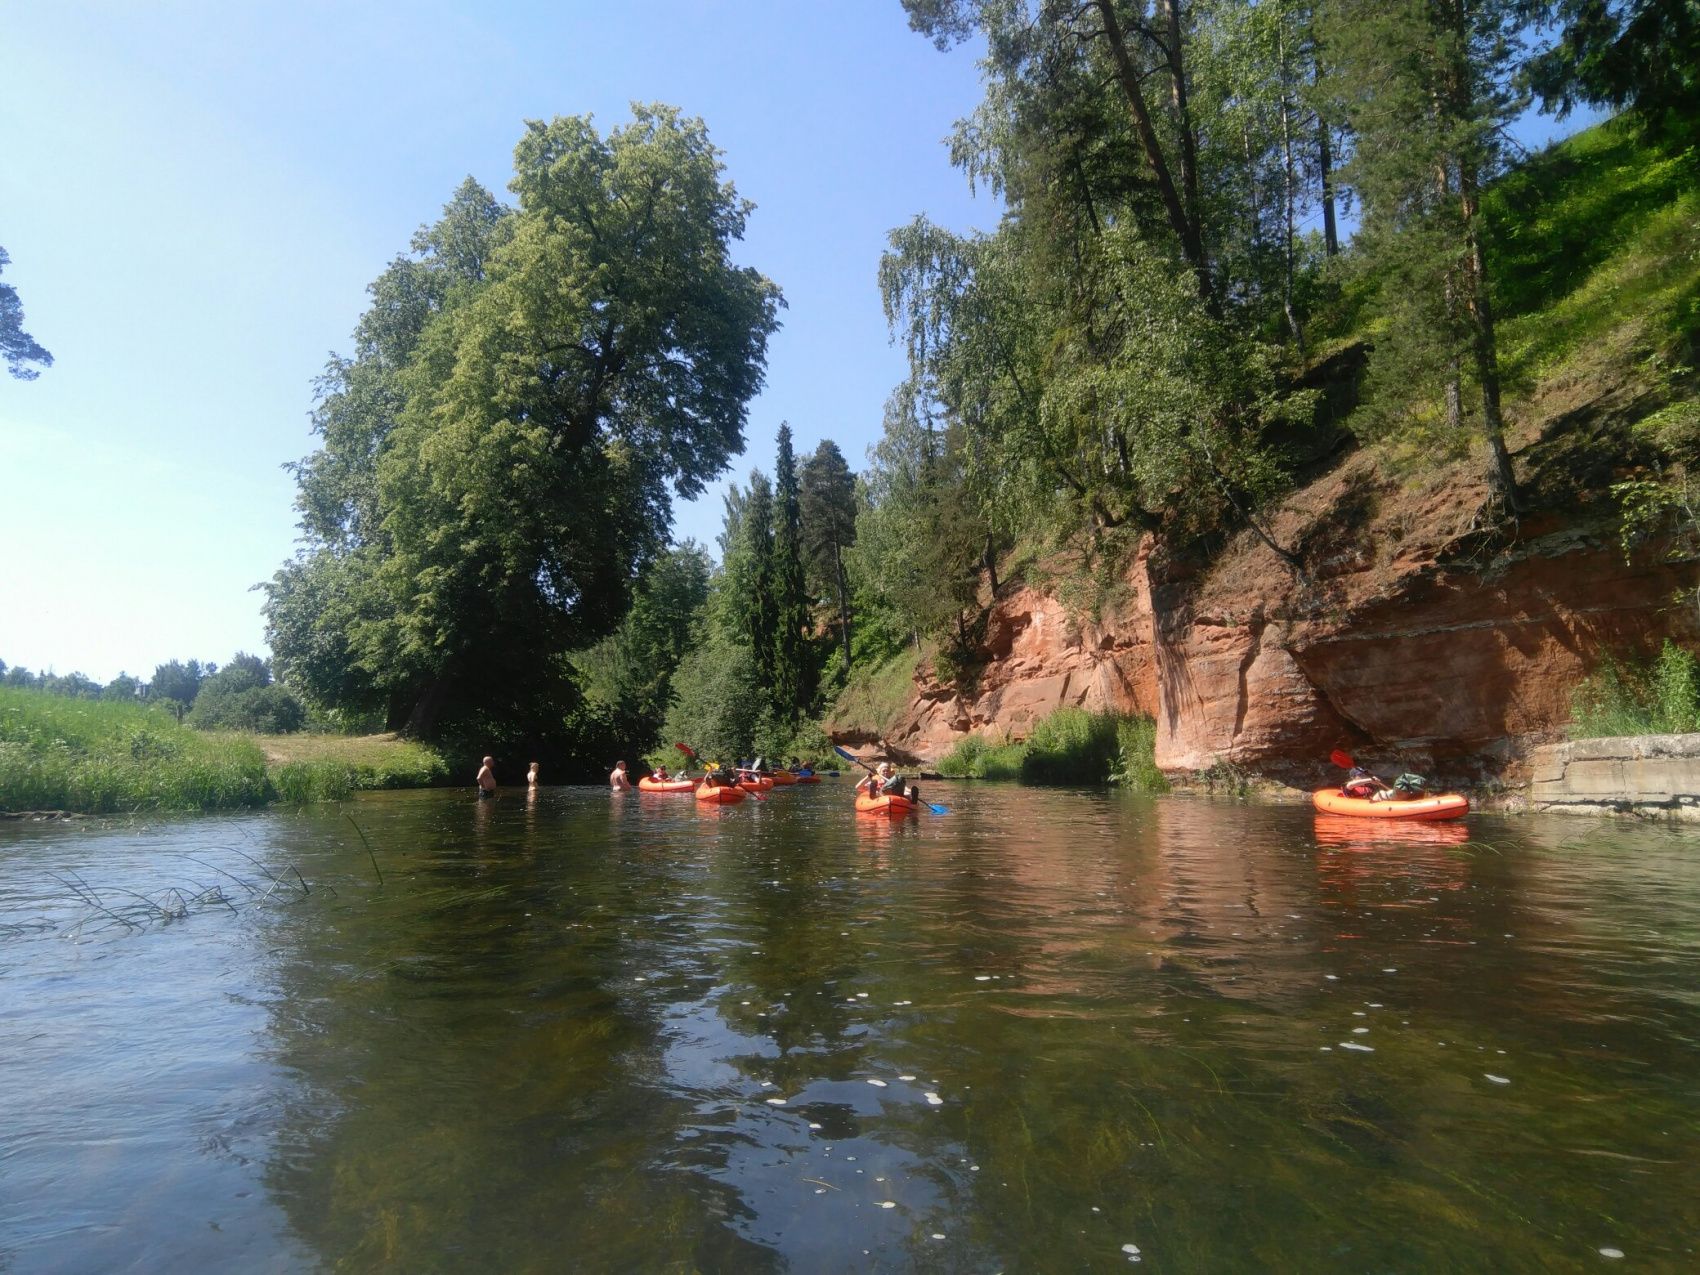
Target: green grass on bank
875, 698
1628, 698
1595, 250
1069, 746
307, 767
101, 757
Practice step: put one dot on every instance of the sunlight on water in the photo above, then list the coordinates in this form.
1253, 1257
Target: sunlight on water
1047, 1031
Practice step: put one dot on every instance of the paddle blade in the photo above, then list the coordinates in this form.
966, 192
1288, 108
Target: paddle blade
686, 751
1342, 759
938, 810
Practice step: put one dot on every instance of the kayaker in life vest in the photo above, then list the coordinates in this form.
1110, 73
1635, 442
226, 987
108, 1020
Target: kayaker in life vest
1361, 783
660, 775
887, 782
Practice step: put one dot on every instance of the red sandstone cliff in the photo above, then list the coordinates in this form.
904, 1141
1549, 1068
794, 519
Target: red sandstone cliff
1416, 636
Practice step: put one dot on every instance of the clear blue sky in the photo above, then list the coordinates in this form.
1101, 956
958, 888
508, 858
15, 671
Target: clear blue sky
195, 195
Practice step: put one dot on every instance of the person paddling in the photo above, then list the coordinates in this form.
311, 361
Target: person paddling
1363, 784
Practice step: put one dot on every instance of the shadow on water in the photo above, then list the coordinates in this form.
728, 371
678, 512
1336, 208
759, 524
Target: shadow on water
643, 1033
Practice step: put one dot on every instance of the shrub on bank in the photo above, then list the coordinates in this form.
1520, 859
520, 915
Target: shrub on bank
1620, 698
1069, 746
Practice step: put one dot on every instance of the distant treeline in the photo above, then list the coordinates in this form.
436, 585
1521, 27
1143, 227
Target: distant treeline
241, 695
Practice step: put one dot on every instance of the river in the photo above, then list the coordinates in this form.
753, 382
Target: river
1047, 1031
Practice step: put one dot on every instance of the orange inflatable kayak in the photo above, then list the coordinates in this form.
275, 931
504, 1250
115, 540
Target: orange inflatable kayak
891, 804
649, 783
723, 794
807, 779
781, 777
755, 783
1449, 805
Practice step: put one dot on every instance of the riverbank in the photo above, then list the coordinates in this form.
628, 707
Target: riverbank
103, 757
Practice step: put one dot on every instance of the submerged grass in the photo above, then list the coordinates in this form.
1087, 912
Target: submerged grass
1069, 746
102, 757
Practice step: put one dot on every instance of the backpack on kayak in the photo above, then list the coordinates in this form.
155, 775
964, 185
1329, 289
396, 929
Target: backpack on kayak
1410, 785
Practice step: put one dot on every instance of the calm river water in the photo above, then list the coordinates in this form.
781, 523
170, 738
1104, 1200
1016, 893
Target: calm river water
1048, 1031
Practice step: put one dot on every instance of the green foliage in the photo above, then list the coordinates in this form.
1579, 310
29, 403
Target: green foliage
1429, 91
1067, 746
1640, 54
1136, 756
876, 695
19, 348
241, 696
633, 668
827, 502
103, 756
177, 682
1596, 244
1620, 698
527, 395
793, 659
718, 704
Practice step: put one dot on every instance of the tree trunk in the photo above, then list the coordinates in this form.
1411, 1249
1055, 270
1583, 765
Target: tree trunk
422, 717
1325, 165
1479, 306
1289, 180
990, 559
1128, 75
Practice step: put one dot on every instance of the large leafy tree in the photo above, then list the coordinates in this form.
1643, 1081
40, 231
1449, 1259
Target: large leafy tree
528, 394
19, 347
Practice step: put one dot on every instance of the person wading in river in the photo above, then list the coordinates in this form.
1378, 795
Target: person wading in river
487, 778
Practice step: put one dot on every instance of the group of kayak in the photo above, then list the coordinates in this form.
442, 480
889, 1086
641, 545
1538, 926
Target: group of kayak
882, 792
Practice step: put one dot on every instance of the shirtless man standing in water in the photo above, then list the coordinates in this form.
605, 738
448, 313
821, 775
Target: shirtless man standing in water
487, 778
617, 778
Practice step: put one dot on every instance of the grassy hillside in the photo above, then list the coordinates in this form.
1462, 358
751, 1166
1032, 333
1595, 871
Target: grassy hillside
1596, 253
96, 756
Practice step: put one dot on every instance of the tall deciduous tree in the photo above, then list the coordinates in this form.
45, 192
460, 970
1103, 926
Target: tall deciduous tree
793, 683
19, 347
527, 396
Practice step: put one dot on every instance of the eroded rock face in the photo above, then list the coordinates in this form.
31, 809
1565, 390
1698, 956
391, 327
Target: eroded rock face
1413, 638
1038, 658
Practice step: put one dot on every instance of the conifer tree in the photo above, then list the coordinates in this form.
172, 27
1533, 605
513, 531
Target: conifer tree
1428, 86
828, 499
793, 683
761, 613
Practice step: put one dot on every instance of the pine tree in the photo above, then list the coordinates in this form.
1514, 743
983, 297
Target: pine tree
793, 685
828, 500
761, 613
1428, 85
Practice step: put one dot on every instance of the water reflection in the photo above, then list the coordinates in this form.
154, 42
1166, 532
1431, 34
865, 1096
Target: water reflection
625, 1032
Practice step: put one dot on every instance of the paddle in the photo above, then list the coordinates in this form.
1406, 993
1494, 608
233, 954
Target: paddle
692, 755
1341, 758
851, 757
